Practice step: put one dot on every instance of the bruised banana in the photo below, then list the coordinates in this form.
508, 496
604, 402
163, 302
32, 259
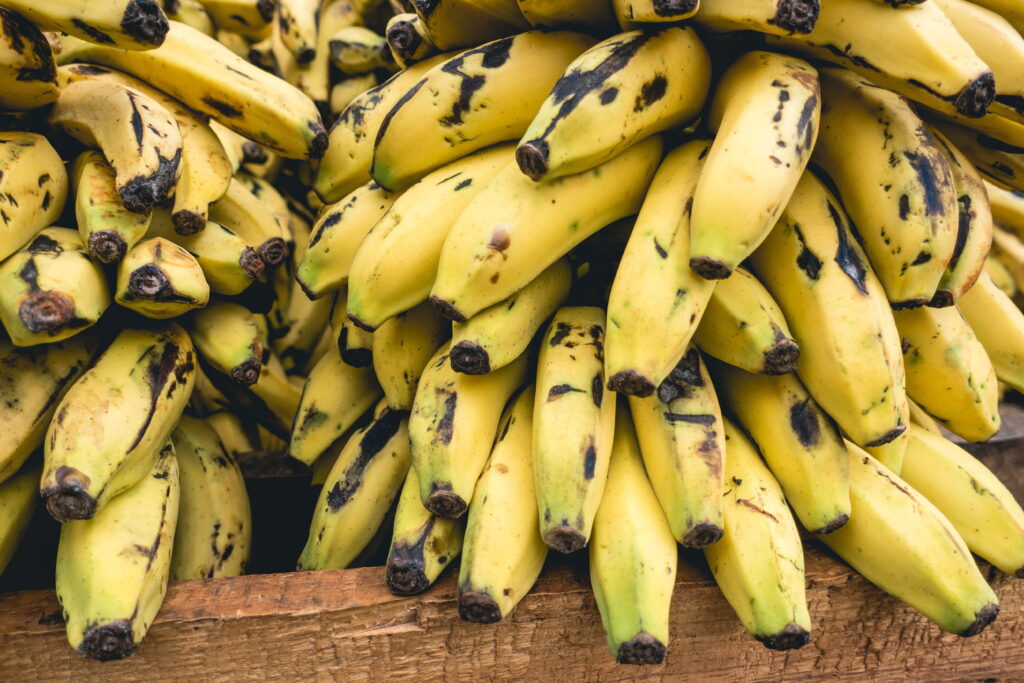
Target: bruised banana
18, 498
401, 349
999, 162
782, 17
408, 40
355, 345
160, 279
999, 326
251, 218
33, 187
129, 24
357, 50
28, 72
105, 226
632, 12
227, 337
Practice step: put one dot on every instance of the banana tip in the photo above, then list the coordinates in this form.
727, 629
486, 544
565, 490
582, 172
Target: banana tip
703, 535
478, 608
406, 578
974, 99
470, 358
532, 158
982, 619
446, 309
106, 642
710, 268
188, 222
247, 372
641, 649
251, 263
887, 437
564, 539
107, 246
782, 357
273, 252
674, 8
446, 504
361, 324
46, 311
833, 526
631, 383
68, 500
797, 16
942, 299
357, 358
792, 637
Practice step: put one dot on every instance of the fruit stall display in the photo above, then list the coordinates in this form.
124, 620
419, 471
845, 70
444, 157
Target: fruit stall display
586, 284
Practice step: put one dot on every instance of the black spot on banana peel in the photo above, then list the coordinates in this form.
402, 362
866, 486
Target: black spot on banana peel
630, 383
20, 31
470, 358
107, 246
144, 21
674, 8
142, 193
710, 268
643, 648
447, 310
703, 535
982, 619
803, 420
890, 435
478, 608
68, 500
564, 538
107, 642
833, 526
247, 372
406, 566
781, 357
974, 99
371, 444
791, 637
95, 35
650, 92
46, 311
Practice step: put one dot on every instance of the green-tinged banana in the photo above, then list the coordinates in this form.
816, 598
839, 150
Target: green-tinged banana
595, 17
999, 162
800, 443
905, 207
450, 119
683, 447
917, 52
459, 23
335, 396
656, 299
1001, 275
850, 357
980, 507
782, 17
214, 529
407, 40
453, 423
516, 227
227, 337
401, 348
111, 424
112, 570
357, 50
137, 135
300, 23
336, 237
503, 552
106, 227
933, 570
160, 279
645, 82
345, 91
747, 161
355, 345
51, 289
633, 557
743, 326
18, 498
422, 544
28, 72
395, 264
999, 326
193, 13
974, 226
948, 372
33, 187
759, 563
250, 19
207, 77
248, 216
498, 335
132, 25
360, 488
573, 427
236, 436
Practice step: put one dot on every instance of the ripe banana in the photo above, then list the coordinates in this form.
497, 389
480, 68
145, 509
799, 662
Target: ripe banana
646, 82
469, 102
999, 162
407, 40
401, 349
759, 563
422, 544
251, 19
214, 529
1007, 207
193, 13
498, 335
111, 424
656, 300
133, 25
1009, 9
112, 570
51, 289
459, 23
595, 17
303, 327
631, 13
106, 227
453, 423
278, 394
227, 337
314, 77
248, 216
17, 504
159, 279
1001, 275
395, 264
503, 552
922, 419
516, 227
683, 447
933, 570
236, 437
33, 187
28, 72
299, 21
743, 326
999, 326
344, 92
355, 345
782, 17
357, 50
359, 490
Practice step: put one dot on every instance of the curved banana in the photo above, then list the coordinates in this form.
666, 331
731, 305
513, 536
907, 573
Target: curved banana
656, 299
249, 217
159, 279
782, 17
401, 349
106, 227
306, 322
193, 13
300, 22
33, 187
17, 504
133, 25
279, 394
922, 419
1001, 163
357, 50
743, 326
52, 289
999, 326
683, 447
1001, 275
1007, 207
646, 82
355, 345
235, 436
407, 40
227, 337
251, 19
1008, 248
314, 77
460, 23
344, 92
28, 72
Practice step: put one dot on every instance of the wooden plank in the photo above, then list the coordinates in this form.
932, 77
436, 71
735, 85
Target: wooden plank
346, 624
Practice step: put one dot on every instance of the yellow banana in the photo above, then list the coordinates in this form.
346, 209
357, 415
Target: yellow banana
1007, 207
159, 279
305, 324
1000, 275
629, 13
595, 17
344, 92
227, 337
999, 326
401, 349
33, 187
459, 23
922, 419
236, 437
251, 218
782, 17
315, 76
407, 40
1001, 163
18, 498
250, 19
106, 227
193, 13
355, 345
358, 50
299, 21
129, 24
1009, 249
28, 72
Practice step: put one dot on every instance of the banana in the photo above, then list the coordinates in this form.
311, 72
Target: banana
250, 19
245, 214
407, 40
106, 227
336, 237
516, 227
132, 25
360, 488
630, 13
422, 544
453, 423
506, 10
648, 81
801, 444
214, 529
235, 436
922, 419
112, 570
300, 22
1007, 207
345, 91
633, 557
52, 289
743, 326
355, 345
948, 372
498, 335
977, 504
1009, 249
1008, 9
746, 161
850, 356
357, 50
1001, 275
33, 187
892, 454
193, 13
471, 101
333, 399
239, 150
759, 563
905, 206
279, 394
1001, 163
683, 447
503, 552
206, 398
917, 52
999, 326
17, 503
656, 299
401, 349
782, 17
207, 77
933, 570
113, 421
227, 337
159, 279
595, 17
314, 77
395, 262
28, 72
459, 23
573, 427
304, 326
